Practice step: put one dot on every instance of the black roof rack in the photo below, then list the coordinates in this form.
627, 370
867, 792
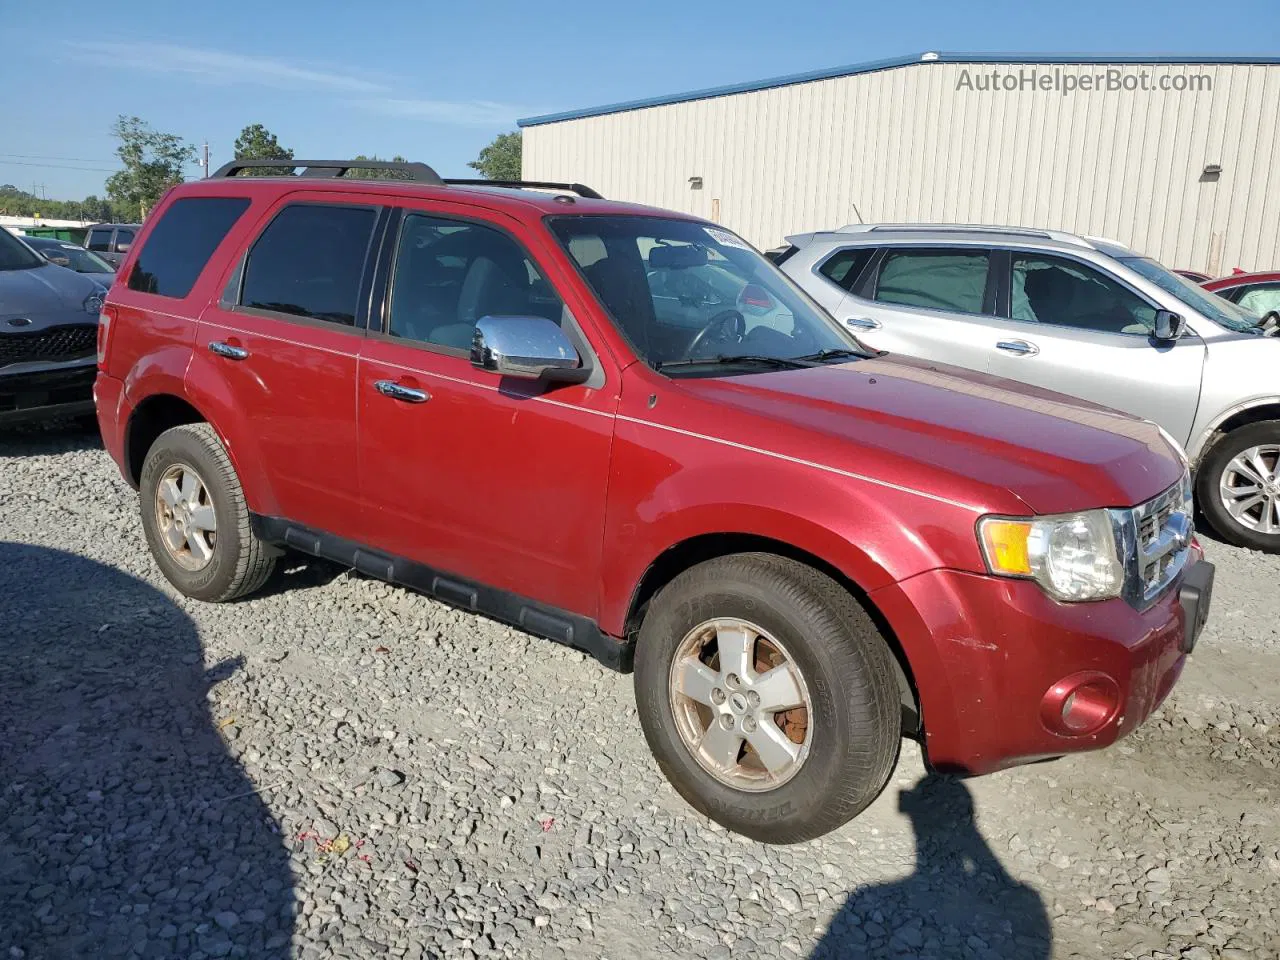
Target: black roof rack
418, 172
578, 188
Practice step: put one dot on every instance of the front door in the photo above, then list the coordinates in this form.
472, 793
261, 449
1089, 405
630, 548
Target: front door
285, 340
1074, 329
497, 481
925, 302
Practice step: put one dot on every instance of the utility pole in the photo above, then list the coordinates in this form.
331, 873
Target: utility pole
204, 158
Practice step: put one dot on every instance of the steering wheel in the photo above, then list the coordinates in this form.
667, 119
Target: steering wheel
722, 326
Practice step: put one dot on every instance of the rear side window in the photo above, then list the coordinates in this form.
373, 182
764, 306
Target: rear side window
309, 262
124, 240
844, 267
953, 280
182, 242
100, 240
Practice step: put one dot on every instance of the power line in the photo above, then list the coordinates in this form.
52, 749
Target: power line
39, 156
57, 166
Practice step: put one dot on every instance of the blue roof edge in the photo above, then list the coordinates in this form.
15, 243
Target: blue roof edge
873, 66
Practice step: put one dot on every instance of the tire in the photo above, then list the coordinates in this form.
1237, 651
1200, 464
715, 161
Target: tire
237, 562
852, 730
1216, 468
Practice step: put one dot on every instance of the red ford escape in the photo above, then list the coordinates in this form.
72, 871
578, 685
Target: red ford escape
624, 430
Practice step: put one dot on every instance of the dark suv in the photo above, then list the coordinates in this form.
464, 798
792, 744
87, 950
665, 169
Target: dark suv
111, 241
627, 431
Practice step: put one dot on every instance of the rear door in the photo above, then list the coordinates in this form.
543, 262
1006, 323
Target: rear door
284, 339
498, 481
933, 303
1072, 328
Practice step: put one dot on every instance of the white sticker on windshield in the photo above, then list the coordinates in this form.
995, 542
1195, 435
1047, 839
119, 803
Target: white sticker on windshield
725, 238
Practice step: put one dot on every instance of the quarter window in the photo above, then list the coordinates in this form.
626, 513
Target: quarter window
100, 240
953, 280
1066, 293
450, 274
1261, 299
180, 245
309, 262
844, 267
124, 240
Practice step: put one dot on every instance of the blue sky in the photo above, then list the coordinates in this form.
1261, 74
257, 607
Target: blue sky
436, 81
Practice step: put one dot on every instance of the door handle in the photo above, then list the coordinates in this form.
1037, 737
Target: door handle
863, 323
224, 349
1018, 347
398, 391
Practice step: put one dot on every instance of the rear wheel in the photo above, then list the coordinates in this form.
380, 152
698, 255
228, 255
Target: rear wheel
767, 696
196, 520
1238, 486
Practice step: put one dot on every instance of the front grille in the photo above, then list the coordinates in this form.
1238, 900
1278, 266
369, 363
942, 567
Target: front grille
1157, 536
53, 345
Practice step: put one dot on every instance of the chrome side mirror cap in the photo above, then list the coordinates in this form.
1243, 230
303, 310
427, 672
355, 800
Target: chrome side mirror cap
1169, 325
528, 348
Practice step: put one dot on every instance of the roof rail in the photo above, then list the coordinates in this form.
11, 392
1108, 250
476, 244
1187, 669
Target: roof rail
580, 189
418, 172
1058, 235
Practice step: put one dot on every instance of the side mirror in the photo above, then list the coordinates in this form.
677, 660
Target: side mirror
530, 348
1169, 325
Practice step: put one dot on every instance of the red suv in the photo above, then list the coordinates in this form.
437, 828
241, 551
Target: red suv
623, 429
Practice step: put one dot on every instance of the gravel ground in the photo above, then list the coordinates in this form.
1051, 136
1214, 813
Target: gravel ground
338, 768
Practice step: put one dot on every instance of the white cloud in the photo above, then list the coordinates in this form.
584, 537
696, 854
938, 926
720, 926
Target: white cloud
467, 113
215, 66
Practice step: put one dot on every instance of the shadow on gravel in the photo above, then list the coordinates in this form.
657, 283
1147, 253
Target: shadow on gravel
125, 825
959, 902
59, 436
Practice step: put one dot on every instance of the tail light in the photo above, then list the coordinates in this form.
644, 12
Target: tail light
754, 295
106, 317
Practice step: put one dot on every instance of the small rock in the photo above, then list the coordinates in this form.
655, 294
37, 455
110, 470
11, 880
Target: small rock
788, 899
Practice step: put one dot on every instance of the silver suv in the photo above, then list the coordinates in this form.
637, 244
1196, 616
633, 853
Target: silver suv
1082, 316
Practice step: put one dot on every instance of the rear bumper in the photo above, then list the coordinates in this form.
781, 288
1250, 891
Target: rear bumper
64, 390
994, 660
113, 413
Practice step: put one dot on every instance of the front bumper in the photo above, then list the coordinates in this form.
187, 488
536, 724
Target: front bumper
30, 393
993, 658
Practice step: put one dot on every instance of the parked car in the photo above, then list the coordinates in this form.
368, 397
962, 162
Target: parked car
75, 258
111, 241
48, 329
1195, 276
1256, 293
803, 549
1081, 316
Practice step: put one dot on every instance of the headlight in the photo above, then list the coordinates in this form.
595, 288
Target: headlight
1072, 557
93, 303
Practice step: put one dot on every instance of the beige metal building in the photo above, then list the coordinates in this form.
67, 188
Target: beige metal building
1176, 157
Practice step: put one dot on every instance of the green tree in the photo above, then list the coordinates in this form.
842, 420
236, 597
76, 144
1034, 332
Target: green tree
256, 142
373, 173
152, 162
500, 160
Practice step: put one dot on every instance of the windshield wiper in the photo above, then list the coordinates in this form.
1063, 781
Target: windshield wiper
840, 353
782, 363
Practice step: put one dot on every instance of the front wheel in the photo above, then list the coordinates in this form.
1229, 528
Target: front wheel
767, 696
1238, 486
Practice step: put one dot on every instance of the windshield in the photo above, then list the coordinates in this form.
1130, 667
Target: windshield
16, 255
74, 258
698, 296
1222, 312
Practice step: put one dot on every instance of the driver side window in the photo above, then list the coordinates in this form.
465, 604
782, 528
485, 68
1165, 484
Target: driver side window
448, 274
1065, 293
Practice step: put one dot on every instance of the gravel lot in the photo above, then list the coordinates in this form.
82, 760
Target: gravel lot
338, 768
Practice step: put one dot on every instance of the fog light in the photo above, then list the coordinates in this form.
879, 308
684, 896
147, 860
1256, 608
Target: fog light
1081, 704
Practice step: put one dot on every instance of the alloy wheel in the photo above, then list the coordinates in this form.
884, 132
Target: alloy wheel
185, 517
741, 705
1249, 488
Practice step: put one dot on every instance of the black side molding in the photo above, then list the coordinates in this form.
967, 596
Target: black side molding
552, 623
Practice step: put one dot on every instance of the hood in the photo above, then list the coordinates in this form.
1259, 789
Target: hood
959, 434
43, 290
